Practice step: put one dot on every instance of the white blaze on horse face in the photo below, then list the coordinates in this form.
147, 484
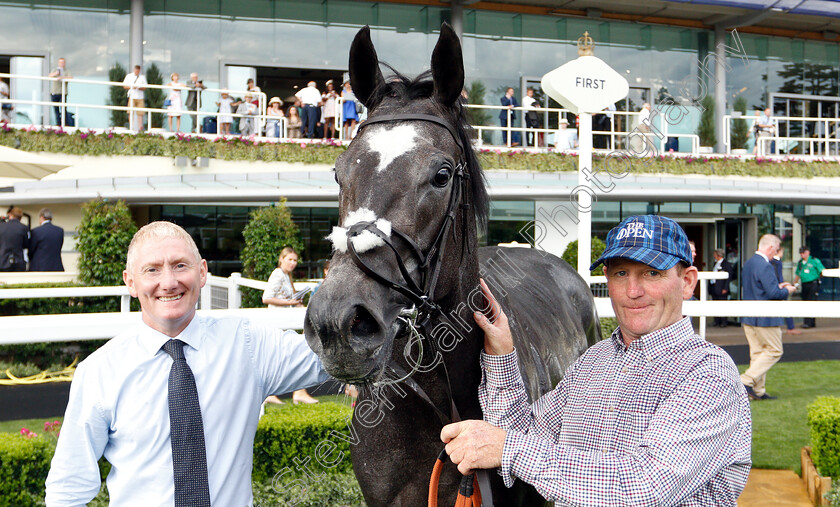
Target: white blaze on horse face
364, 241
390, 143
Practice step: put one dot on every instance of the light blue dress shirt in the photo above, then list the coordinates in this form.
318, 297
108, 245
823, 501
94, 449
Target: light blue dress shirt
119, 408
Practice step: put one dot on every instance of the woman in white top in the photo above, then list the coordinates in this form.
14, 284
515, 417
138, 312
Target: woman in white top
279, 293
176, 105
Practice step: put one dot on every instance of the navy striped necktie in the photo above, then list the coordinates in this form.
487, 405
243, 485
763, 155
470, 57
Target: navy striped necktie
189, 456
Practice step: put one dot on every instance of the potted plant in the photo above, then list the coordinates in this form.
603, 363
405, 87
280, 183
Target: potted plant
706, 128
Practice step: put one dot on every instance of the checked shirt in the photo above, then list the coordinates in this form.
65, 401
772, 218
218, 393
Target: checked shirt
664, 421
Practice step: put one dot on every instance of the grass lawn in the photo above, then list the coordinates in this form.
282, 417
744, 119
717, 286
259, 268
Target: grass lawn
780, 427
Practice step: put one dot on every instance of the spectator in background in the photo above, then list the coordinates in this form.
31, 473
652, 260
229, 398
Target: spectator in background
765, 127
194, 85
350, 111
566, 139
14, 239
254, 91
58, 93
719, 288
293, 124
5, 108
135, 83
776, 261
764, 334
176, 104
693, 251
329, 99
280, 293
247, 123
508, 103
45, 244
226, 105
532, 116
809, 270
309, 98
275, 116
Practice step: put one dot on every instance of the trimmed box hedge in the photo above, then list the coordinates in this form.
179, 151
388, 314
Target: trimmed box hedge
301, 440
24, 464
824, 421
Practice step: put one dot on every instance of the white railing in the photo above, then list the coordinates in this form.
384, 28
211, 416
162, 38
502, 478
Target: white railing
226, 292
616, 138
818, 145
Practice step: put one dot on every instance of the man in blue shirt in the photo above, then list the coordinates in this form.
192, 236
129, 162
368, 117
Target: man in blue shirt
120, 397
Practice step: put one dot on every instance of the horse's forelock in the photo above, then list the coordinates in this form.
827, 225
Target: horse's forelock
401, 88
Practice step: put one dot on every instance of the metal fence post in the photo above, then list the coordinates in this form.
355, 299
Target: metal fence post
234, 292
205, 301
704, 290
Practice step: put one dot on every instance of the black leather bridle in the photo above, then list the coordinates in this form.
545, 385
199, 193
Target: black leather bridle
422, 294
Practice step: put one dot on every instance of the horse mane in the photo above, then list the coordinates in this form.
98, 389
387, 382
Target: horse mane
405, 89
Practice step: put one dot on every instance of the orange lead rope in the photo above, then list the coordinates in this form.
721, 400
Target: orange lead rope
468, 492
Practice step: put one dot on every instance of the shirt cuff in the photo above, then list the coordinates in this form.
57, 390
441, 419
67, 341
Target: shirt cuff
500, 371
527, 458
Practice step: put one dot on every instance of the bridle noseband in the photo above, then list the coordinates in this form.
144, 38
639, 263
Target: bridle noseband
420, 294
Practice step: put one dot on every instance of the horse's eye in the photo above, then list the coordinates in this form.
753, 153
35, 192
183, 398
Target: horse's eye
442, 176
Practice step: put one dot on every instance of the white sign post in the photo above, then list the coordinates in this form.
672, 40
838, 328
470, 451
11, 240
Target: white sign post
585, 86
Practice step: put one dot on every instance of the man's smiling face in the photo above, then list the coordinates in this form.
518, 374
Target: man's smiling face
167, 279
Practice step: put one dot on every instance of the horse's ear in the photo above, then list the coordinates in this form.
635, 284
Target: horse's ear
364, 66
448, 66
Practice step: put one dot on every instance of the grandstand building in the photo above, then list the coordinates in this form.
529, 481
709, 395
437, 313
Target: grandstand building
780, 54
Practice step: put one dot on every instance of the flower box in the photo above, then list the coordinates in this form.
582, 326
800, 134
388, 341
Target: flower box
816, 484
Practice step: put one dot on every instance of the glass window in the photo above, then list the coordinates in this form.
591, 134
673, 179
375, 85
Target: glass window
706, 207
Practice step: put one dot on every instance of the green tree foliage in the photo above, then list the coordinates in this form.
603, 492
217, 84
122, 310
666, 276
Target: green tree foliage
118, 96
740, 129
268, 231
102, 240
706, 128
571, 254
154, 96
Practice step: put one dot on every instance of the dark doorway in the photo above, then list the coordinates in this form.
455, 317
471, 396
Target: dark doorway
284, 82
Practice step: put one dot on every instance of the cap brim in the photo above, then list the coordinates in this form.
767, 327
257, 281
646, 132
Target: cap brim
653, 258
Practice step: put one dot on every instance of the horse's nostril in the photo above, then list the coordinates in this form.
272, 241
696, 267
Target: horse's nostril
363, 323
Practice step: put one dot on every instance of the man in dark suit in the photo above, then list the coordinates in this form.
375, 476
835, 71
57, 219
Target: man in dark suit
14, 238
508, 103
45, 245
764, 334
719, 289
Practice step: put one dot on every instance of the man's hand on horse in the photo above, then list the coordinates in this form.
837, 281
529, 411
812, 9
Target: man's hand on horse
494, 323
473, 445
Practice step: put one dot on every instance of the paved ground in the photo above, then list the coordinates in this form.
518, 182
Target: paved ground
779, 488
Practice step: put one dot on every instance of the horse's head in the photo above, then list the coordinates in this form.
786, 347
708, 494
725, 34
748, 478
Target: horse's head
409, 166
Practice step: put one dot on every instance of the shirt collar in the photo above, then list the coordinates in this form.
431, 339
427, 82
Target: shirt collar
658, 342
153, 340
762, 256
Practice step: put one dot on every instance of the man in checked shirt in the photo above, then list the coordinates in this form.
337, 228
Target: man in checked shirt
654, 415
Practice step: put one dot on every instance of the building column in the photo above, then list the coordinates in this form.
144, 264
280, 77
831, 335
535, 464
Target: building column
720, 86
457, 18
135, 38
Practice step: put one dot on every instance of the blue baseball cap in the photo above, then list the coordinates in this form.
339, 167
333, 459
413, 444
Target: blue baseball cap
654, 240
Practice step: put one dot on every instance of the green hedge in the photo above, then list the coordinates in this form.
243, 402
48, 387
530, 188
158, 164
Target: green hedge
824, 421
24, 464
301, 436
87, 143
289, 439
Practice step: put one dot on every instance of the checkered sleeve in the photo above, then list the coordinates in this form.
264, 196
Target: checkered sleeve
689, 440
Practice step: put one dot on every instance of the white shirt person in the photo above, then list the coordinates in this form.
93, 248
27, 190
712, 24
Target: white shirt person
119, 398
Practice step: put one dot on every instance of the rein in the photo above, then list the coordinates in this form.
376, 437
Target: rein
418, 318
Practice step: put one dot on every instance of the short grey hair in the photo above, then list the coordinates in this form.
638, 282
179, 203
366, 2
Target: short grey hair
159, 231
769, 239
719, 251
46, 213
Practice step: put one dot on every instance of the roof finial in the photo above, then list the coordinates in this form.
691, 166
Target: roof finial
585, 45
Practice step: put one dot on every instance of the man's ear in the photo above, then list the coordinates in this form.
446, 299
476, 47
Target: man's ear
129, 282
203, 272
689, 281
